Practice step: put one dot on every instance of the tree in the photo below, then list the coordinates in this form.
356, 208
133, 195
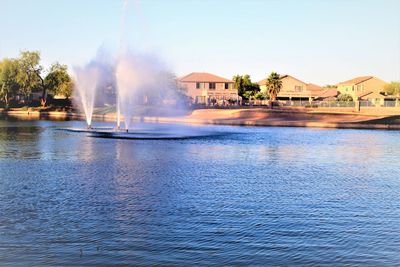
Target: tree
9, 86
246, 88
260, 96
29, 74
238, 79
392, 88
345, 98
58, 81
330, 86
274, 85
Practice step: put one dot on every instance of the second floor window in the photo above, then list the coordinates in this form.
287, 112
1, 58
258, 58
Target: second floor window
211, 86
228, 86
199, 85
298, 88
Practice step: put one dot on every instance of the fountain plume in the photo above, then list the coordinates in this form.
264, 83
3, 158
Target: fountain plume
85, 85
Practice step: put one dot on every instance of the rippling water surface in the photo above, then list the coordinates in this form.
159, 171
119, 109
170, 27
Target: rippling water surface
256, 196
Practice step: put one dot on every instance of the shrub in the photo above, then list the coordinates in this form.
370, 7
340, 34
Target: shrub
345, 98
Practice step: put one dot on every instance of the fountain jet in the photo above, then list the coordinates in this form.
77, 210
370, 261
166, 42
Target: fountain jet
85, 85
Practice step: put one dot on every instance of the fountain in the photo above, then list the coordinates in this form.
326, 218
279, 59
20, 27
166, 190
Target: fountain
140, 84
86, 81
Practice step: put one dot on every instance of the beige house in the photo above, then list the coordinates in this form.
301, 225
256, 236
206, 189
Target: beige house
209, 89
375, 98
360, 87
295, 89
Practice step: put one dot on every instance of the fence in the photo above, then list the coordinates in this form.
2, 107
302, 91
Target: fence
338, 104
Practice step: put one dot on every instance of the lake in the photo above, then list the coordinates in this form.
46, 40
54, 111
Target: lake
252, 196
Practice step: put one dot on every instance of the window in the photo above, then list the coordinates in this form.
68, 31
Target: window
211, 86
298, 88
228, 86
199, 85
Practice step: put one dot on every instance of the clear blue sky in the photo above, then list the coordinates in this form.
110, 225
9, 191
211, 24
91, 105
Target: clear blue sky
317, 41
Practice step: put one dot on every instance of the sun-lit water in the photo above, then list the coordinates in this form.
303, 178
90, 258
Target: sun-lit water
257, 196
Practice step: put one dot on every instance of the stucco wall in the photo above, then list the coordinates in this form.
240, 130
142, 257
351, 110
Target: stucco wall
219, 91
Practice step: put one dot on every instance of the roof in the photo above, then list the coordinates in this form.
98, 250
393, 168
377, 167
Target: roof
361, 94
356, 80
331, 92
264, 81
313, 87
371, 95
203, 77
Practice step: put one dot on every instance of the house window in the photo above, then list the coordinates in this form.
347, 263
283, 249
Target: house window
199, 85
211, 86
298, 88
228, 86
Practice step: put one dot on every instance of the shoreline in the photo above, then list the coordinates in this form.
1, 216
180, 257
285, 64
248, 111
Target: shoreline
237, 117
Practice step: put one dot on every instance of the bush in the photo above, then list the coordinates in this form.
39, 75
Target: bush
260, 96
345, 98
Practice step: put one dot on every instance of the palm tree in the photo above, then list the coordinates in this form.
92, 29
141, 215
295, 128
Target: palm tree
274, 85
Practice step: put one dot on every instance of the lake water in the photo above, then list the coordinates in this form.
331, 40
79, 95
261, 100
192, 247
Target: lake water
255, 196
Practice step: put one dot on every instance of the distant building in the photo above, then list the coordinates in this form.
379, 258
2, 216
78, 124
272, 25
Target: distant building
360, 87
209, 89
377, 99
327, 94
295, 89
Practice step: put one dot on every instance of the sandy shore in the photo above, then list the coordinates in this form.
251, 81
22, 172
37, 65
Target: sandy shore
244, 117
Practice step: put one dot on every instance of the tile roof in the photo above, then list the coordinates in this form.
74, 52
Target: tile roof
203, 77
313, 87
361, 94
356, 80
264, 81
371, 95
330, 92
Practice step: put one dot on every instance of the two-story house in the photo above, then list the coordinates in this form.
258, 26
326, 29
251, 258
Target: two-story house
360, 87
205, 88
294, 89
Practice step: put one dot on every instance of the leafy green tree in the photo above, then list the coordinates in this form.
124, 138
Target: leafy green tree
260, 96
345, 98
58, 81
29, 72
238, 80
9, 86
246, 88
393, 88
274, 85
330, 86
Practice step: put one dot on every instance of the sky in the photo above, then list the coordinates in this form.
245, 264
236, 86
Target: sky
317, 41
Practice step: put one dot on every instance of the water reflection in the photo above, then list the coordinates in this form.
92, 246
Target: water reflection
16, 141
266, 196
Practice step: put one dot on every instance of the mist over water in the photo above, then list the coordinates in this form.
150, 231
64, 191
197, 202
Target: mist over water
143, 83
128, 82
136, 84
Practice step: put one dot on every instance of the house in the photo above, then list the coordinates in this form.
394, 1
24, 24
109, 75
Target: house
376, 99
327, 94
209, 89
295, 89
362, 86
